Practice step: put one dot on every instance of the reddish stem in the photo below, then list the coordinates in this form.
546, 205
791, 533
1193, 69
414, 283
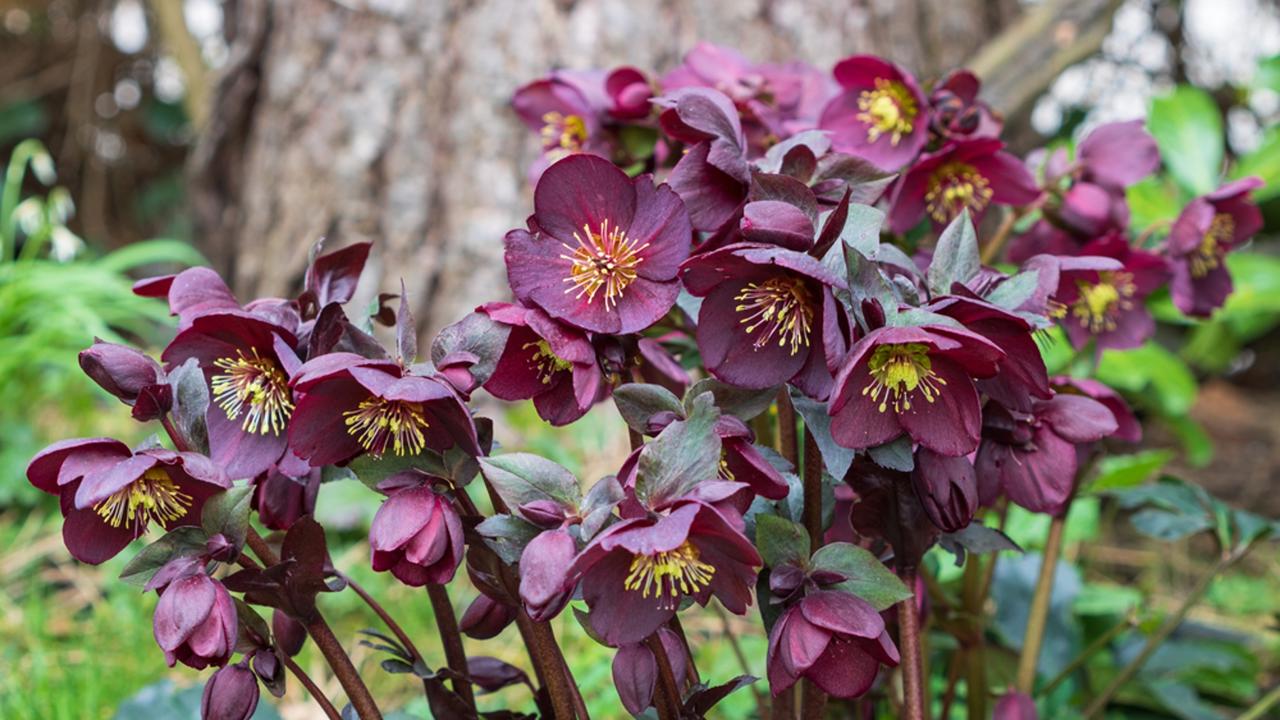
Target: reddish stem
454, 653
309, 684
912, 658
667, 699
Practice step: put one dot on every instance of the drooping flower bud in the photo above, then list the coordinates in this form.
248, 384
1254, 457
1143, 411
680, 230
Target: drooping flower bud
417, 535
195, 622
543, 567
947, 488
230, 694
120, 370
485, 618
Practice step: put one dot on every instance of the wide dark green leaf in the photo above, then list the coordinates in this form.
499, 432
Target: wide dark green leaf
521, 478
684, 454
955, 258
780, 541
868, 578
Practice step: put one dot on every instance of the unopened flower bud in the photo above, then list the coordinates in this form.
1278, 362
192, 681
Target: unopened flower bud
230, 694
120, 370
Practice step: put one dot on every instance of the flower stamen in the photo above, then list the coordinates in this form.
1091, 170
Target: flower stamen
544, 362
1100, 303
604, 259
1208, 255
154, 496
889, 109
954, 187
899, 370
564, 133
379, 424
782, 307
669, 574
255, 386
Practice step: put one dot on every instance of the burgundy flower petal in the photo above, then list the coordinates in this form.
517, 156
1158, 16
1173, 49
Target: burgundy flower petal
583, 190
952, 423
844, 670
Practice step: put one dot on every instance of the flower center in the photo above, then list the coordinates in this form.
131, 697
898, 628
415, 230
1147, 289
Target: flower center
781, 308
669, 574
899, 370
154, 496
954, 187
1099, 303
378, 424
567, 133
1212, 246
889, 109
544, 362
604, 259
256, 387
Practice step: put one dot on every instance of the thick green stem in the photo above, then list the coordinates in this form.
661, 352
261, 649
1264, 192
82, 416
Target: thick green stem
1149, 648
1033, 639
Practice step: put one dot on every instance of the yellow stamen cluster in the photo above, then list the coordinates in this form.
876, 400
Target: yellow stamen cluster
781, 307
1099, 303
256, 387
544, 362
1209, 254
954, 187
603, 259
380, 424
567, 133
889, 109
154, 496
899, 370
669, 575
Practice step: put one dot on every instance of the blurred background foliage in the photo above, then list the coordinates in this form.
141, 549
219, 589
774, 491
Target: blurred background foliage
99, 101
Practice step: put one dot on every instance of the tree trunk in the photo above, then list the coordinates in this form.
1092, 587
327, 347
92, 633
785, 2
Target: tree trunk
387, 120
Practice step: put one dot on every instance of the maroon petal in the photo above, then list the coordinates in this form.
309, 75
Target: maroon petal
66, 461
183, 607
98, 486
401, 517
619, 615
1077, 418
635, 676
844, 670
729, 351
91, 540
711, 196
318, 431
661, 222
856, 420
842, 612
242, 454
583, 190
801, 644
1119, 154
951, 424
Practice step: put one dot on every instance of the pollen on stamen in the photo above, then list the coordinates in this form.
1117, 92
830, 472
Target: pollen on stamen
152, 497
779, 308
1208, 255
605, 258
669, 575
255, 386
889, 109
1100, 303
544, 362
380, 425
954, 187
899, 370
566, 133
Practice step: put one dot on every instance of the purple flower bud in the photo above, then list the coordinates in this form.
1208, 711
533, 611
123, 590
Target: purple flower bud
417, 535
230, 694
195, 622
485, 618
635, 670
153, 402
546, 514
947, 488
544, 564
1015, 706
289, 633
120, 370
219, 547
834, 639
785, 580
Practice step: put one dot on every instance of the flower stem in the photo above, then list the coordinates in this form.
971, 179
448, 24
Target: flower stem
326, 642
997, 242
1153, 643
1094, 647
1260, 708
787, 429
455, 655
813, 699
340, 662
329, 710
913, 700
784, 705
1038, 615
667, 699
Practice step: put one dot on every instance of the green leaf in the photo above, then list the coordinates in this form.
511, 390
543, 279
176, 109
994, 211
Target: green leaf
521, 478
1121, 471
185, 540
1166, 525
816, 420
895, 455
372, 470
637, 402
781, 542
1011, 293
739, 402
955, 258
1263, 162
684, 454
868, 578
228, 513
1268, 74
190, 402
1188, 128
1195, 441
1151, 366
507, 535
1152, 200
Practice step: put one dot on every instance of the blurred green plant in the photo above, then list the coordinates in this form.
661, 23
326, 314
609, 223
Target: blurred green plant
55, 297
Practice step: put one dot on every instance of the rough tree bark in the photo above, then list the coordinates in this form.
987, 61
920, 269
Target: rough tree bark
387, 120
